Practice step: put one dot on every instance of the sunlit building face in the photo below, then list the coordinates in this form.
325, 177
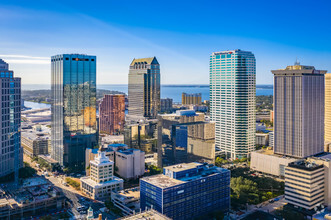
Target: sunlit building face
74, 124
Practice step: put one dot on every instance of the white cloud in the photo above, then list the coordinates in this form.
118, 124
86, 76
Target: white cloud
23, 59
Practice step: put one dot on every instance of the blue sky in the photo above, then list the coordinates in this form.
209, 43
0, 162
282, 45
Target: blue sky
181, 34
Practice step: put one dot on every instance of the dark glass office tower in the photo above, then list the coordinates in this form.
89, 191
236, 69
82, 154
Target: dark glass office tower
74, 126
144, 88
11, 153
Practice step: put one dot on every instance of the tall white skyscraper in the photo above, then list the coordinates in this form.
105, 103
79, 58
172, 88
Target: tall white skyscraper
299, 111
232, 101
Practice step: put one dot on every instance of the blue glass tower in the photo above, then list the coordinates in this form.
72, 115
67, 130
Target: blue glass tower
74, 126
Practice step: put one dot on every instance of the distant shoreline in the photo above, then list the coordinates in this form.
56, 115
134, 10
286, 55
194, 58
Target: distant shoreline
44, 86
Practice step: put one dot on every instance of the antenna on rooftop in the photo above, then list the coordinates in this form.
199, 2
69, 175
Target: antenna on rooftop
297, 63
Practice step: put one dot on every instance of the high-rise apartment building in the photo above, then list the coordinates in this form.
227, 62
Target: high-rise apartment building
191, 99
232, 101
11, 153
74, 126
112, 114
144, 88
298, 111
327, 122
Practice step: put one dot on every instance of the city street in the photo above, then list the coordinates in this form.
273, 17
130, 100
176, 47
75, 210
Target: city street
75, 198
266, 206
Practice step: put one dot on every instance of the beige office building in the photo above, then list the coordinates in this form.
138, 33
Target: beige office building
299, 111
191, 99
327, 108
305, 183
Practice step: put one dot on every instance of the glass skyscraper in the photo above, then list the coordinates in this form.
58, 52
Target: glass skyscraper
11, 153
74, 125
232, 101
144, 88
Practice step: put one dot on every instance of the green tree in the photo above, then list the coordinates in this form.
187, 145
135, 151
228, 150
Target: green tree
244, 190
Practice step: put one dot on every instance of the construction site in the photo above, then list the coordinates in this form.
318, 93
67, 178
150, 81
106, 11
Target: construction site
34, 197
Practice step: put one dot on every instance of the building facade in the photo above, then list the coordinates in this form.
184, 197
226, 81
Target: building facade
74, 125
186, 191
101, 181
232, 101
327, 122
144, 88
166, 105
11, 153
299, 111
112, 114
141, 135
271, 139
305, 184
191, 99
130, 163
262, 139
266, 162
36, 140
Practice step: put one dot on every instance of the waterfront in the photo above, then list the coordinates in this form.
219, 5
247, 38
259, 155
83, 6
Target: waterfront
36, 105
167, 91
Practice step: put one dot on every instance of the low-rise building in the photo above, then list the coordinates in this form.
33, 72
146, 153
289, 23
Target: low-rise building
307, 182
101, 181
186, 191
130, 163
262, 139
265, 161
128, 201
36, 140
151, 159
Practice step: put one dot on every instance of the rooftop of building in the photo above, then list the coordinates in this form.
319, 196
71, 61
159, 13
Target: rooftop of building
34, 134
101, 159
270, 151
183, 166
297, 68
305, 165
128, 195
230, 52
147, 215
148, 60
192, 94
162, 181
111, 138
203, 170
118, 145
92, 183
129, 151
324, 156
